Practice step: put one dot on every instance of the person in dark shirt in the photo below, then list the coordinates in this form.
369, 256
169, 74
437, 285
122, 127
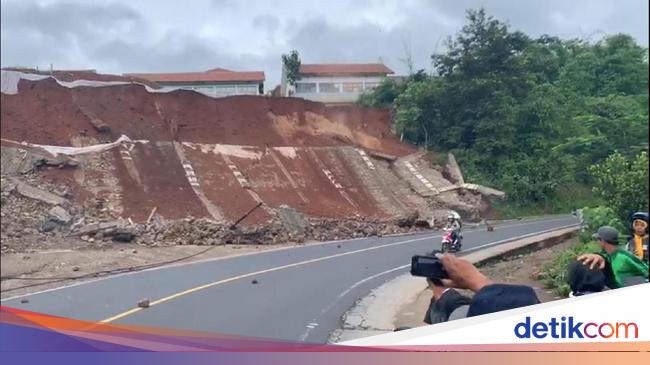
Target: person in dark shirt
443, 302
489, 297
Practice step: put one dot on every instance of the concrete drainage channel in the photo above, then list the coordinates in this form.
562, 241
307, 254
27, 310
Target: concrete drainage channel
375, 314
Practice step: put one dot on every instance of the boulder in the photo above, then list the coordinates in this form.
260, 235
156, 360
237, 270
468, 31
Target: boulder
60, 215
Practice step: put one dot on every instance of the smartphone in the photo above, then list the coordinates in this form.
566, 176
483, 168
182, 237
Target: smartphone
428, 267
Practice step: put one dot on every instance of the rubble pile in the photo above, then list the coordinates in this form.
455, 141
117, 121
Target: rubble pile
202, 231
40, 215
119, 164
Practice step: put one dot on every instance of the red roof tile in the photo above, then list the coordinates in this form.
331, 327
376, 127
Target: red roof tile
209, 76
219, 69
345, 69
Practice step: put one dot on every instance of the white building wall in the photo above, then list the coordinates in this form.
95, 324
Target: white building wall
215, 91
342, 95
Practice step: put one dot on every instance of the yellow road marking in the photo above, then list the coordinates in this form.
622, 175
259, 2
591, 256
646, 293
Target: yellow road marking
233, 278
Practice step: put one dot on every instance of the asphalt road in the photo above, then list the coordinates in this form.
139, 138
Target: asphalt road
300, 293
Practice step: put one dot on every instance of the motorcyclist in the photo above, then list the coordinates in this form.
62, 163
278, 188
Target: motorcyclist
638, 242
454, 225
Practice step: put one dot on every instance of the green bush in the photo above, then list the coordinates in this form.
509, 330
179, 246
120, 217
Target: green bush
555, 271
593, 218
622, 183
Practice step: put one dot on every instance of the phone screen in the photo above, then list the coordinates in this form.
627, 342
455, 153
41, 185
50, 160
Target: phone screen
429, 267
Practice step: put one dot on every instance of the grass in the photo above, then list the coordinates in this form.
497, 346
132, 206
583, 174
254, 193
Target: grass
556, 270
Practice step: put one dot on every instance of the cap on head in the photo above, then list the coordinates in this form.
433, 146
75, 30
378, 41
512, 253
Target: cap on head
607, 234
644, 216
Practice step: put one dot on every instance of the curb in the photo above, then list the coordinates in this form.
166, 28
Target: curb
522, 241
486, 255
480, 256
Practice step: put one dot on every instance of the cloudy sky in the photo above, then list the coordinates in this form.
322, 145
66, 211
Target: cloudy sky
118, 36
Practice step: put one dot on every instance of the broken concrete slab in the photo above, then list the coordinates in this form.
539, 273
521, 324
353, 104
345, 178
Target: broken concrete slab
454, 170
484, 190
292, 219
58, 214
60, 161
107, 228
382, 156
41, 195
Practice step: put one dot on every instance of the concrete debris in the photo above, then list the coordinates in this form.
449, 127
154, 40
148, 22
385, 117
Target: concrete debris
383, 156
60, 215
144, 303
292, 219
484, 190
7, 186
35, 193
78, 224
409, 220
123, 235
202, 231
454, 170
48, 226
61, 161
107, 228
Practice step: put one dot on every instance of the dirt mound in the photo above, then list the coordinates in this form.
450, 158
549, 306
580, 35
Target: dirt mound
47, 113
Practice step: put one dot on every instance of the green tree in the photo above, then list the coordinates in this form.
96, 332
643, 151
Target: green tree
614, 65
383, 96
291, 64
622, 183
526, 115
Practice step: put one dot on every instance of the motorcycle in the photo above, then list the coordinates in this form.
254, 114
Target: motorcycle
448, 242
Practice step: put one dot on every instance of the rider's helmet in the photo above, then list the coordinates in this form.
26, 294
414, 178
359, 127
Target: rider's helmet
639, 219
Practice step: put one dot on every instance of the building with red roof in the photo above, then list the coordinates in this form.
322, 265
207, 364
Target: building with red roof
217, 82
336, 83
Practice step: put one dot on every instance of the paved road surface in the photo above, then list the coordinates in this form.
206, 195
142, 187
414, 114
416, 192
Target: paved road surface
301, 292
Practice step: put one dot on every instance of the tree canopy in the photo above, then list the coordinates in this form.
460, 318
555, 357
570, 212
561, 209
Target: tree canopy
527, 115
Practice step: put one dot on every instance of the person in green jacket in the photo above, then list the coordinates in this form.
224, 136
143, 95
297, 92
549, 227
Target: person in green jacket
619, 264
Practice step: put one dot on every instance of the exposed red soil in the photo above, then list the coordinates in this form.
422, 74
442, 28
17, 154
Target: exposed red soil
268, 180
44, 112
222, 189
164, 184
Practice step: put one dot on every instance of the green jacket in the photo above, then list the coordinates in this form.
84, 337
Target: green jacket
621, 265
